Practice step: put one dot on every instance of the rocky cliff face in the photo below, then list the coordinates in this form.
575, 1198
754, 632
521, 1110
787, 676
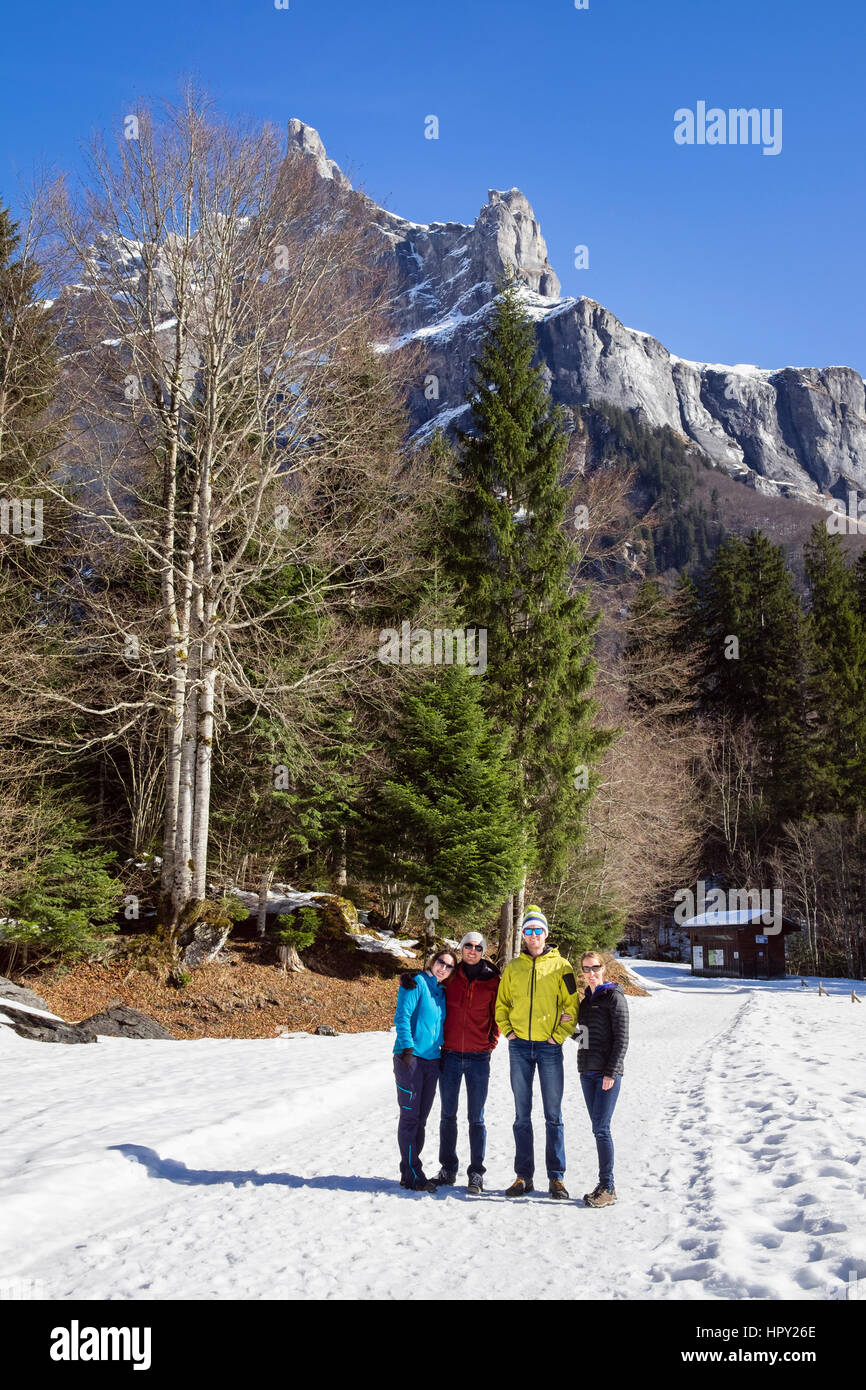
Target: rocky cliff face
800, 431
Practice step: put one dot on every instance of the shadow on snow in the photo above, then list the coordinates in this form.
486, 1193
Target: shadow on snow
172, 1170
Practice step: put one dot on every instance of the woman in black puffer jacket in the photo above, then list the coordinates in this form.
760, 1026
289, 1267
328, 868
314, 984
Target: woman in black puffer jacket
602, 1039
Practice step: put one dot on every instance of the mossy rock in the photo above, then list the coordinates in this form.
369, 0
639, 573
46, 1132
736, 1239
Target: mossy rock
338, 916
206, 927
357, 895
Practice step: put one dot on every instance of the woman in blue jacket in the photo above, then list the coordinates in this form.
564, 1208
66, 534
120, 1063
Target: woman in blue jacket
418, 1019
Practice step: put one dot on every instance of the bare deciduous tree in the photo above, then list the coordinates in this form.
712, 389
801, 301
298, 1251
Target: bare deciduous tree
236, 482
731, 776
645, 821
821, 868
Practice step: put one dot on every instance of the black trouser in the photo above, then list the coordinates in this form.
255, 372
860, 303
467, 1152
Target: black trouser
416, 1088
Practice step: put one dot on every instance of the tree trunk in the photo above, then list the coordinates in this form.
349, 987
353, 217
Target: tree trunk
519, 900
182, 847
205, 615
289, 959
203, 766
506, 931
265, 882
341, 859
176, 616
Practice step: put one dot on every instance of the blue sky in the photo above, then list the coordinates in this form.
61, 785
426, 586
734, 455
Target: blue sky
722, 252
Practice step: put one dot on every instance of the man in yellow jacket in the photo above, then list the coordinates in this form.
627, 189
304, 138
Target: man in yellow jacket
536, 989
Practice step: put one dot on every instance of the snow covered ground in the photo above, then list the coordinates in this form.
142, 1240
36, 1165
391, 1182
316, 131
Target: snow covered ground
268, 1169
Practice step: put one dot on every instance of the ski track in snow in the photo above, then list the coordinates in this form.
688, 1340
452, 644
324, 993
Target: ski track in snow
268, 1168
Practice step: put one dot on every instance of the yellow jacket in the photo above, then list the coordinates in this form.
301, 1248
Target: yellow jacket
532, 995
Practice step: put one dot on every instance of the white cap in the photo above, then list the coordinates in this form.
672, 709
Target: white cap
474, 938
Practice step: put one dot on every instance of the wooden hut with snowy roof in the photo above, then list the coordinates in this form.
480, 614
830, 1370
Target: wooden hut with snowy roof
746, 944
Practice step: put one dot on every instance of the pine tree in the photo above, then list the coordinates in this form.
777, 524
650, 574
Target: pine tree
444, 823
778, 667
723, 604
838, 676
32, 578
28, 369
860, 583
756, 664
510, 554
28, 380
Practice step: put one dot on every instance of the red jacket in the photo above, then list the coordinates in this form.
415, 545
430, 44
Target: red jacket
470, 1023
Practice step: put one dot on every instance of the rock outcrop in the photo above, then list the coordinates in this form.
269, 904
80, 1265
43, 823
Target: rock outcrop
41, 1027
202, 942
29, 1016
800, 431
120, 1021
18, 994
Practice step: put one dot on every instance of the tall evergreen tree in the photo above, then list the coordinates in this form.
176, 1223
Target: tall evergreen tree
722, 614
838, 676
756, 664
444, 823
28, 381
28, 368
860, 583
36, 808
510, 553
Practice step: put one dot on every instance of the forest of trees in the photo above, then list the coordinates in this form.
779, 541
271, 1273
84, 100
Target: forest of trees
210, 516
674, 528
192, 687
773, 687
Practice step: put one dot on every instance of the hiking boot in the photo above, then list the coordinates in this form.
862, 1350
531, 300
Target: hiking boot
601, 1197
519, 1187
476, 1186
445, 1179
557, 1190
419, 1184
599, 1188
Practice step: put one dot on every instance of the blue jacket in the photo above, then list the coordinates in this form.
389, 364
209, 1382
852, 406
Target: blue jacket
419, 1017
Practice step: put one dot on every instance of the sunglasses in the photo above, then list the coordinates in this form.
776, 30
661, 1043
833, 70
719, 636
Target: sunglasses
591, 969
471, 946
533, 931
445, 963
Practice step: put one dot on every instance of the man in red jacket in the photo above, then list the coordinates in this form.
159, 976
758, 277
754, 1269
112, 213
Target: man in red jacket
470, 1036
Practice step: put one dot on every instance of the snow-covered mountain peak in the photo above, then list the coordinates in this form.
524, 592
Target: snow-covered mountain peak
800, 431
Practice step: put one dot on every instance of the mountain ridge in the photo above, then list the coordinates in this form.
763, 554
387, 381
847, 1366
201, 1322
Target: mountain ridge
789, 431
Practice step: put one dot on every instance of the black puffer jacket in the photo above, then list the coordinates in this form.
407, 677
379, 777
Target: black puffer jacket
602, 1030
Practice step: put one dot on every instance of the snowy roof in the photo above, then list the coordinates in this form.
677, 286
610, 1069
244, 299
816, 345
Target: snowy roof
743, 917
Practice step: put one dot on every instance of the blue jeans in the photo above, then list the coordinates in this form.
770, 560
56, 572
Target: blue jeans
475, 1067
524, 1057
600, 1105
